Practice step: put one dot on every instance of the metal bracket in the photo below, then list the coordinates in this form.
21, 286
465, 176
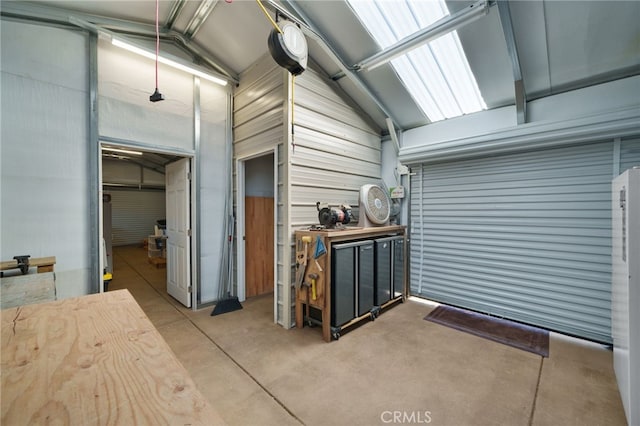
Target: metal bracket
510, 39
23, 263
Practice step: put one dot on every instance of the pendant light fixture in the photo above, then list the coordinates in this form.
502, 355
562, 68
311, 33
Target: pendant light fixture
157, 96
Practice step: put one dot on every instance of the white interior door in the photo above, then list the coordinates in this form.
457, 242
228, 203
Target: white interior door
178, 244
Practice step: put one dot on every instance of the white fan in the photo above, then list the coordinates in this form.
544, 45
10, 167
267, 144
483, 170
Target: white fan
375, 206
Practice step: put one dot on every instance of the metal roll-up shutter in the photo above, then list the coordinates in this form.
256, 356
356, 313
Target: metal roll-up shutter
523, 236
134, 215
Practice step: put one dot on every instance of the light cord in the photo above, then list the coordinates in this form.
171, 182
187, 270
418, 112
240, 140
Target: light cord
293, 103
275, 25
157, 39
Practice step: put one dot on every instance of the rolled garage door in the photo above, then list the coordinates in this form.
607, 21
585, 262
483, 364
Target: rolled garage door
523, 236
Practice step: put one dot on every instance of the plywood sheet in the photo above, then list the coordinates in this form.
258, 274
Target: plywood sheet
27, 289
95, 359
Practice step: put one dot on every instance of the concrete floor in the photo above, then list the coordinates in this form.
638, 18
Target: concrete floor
397, 369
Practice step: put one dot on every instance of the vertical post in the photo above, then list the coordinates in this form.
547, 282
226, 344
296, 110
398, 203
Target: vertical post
93, 154
195, 190
420, 195
286, 278
616, 156
512, 50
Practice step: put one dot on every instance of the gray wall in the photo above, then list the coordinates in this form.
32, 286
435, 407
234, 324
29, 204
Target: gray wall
45, 161
213, 170
259, 177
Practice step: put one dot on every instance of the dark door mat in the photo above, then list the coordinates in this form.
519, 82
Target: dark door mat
530, 339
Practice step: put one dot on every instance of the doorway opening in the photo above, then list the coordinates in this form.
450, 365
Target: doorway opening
146, 199
257, 218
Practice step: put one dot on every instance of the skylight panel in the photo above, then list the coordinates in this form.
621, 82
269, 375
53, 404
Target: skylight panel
436, 74
381, 29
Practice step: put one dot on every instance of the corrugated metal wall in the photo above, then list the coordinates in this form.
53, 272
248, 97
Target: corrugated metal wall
124, 173
134, 214
258, 109
259, 125
336, 151
525, 236
629, 153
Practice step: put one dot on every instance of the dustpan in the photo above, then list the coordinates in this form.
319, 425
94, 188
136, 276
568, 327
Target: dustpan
320, 248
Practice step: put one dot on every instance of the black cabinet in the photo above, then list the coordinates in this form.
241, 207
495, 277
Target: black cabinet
365, 278
352, 281
389, 269
384, 247
398, 267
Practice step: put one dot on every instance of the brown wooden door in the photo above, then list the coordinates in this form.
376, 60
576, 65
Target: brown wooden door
258, 245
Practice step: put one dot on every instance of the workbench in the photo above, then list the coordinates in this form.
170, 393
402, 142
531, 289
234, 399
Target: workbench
95, 359
43, 264
317, 273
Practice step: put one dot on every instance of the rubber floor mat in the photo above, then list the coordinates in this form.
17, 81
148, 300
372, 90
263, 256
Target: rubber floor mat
499, 330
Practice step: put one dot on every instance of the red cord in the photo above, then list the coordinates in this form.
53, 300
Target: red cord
157, 40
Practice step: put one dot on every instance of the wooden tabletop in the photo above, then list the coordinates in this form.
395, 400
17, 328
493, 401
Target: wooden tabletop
90, 360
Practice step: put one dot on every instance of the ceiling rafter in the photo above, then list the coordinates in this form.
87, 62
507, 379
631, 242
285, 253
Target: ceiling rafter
174, 13
199, 17
512, 50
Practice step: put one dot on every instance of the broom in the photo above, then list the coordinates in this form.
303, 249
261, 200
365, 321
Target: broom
227, 302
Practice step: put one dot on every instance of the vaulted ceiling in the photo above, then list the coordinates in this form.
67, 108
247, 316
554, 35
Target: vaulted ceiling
546, 46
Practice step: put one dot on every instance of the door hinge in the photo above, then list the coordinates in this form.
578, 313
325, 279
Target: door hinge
189, 289
623, 206
188, 175
188, 232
